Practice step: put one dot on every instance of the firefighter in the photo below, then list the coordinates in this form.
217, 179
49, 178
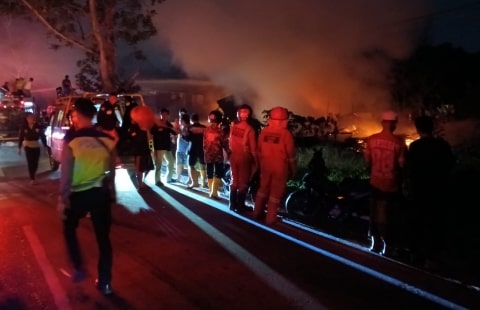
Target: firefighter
215, 142
243, 158
277, 159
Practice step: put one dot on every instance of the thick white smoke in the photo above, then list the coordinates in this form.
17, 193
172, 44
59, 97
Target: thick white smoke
312, 56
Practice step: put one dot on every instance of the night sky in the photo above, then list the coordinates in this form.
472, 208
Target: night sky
457, 22
306, 52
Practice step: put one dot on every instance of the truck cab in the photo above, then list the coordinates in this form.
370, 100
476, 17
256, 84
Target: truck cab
60, 119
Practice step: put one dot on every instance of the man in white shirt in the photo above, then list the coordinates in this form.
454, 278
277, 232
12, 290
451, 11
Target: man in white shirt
27, 88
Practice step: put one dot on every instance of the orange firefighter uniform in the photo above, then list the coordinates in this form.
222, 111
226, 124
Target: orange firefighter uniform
277, 158
243, 158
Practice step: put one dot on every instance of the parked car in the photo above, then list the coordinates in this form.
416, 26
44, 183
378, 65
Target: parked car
60, 120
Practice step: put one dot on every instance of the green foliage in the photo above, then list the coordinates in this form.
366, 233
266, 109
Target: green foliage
344, 163
88, 78
341, 162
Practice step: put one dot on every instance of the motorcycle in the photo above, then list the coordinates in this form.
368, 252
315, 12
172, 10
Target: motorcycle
321, 200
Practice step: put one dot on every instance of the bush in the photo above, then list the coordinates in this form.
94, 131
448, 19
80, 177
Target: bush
341, 161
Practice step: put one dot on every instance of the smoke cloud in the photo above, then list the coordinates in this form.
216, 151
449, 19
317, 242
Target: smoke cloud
311, 56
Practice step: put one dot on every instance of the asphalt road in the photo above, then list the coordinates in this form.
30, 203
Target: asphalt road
178, 249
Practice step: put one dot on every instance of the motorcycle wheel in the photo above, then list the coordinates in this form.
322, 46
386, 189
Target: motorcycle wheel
227, 177
304, 205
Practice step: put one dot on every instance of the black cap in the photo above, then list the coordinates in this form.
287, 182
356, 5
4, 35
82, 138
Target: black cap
85, 107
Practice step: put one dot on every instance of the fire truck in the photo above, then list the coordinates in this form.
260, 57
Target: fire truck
12, 114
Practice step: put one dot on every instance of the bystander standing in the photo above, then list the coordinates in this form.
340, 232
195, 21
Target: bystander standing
430, 161
385, 154
215, 143
162, 133
66, 86
194, 135
27, 88
182, 145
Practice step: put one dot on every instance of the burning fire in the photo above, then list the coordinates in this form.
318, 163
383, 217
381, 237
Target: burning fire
408, 141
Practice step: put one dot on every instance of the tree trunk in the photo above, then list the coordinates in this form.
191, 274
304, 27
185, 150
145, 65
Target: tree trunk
107, 67
106, 45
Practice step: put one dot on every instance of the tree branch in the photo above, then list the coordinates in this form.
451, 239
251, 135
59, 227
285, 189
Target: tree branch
54, 30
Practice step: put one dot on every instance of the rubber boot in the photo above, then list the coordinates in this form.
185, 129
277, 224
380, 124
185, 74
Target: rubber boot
272, 211
203, 175
241, 207
233, 200
215, 185
193, 174
259, 209
210, 183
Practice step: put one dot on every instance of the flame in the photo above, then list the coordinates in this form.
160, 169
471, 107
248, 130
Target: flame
410, 139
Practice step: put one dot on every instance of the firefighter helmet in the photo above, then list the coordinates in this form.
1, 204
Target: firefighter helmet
389, 116
244, 112
215, 116
279, 114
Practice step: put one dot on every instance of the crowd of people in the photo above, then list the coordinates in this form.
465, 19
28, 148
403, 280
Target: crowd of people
187, 145
21, 87
204, 150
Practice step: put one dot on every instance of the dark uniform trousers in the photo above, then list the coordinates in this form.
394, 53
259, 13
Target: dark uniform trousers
97, 202
33, 156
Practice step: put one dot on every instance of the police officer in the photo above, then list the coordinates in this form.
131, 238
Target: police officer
107, 117
85, 187
215, 142
30, 134
277, 159
243, 157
